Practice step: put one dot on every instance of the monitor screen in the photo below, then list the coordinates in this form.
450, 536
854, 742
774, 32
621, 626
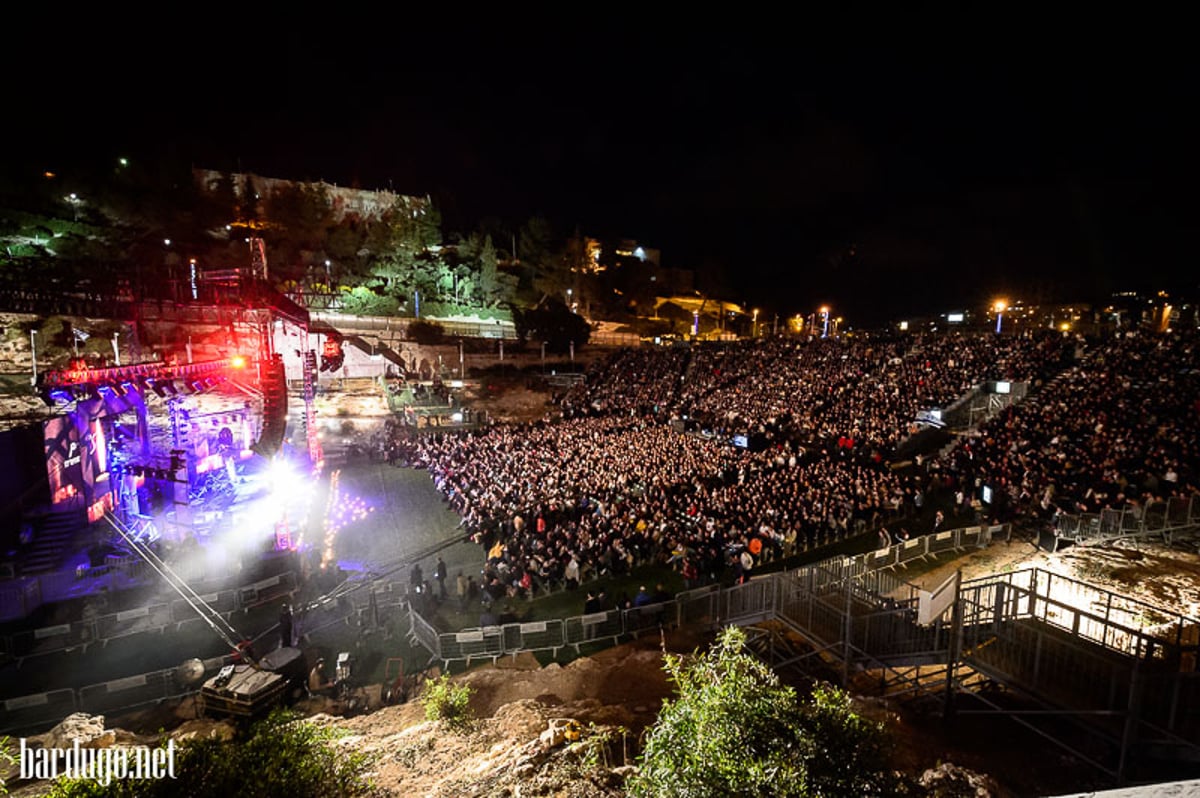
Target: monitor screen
1003, 387
987, 494
741, 441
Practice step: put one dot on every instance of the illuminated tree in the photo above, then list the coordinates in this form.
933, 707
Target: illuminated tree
734, 729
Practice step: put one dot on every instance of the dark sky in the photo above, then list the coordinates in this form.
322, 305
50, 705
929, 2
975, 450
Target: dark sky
884, 177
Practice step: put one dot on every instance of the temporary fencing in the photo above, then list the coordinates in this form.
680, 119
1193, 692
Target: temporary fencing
37, 710
1178, 514
154, 618
130, 692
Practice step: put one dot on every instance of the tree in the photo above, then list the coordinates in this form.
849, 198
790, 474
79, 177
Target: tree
734, 729
489, 276
553, 323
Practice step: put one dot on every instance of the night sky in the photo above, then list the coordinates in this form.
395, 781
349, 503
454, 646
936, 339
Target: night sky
788, 170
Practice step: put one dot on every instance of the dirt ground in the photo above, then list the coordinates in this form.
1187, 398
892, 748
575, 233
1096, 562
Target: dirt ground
1147, 569
618, 692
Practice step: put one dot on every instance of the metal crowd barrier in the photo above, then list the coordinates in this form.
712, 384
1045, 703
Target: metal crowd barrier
49, 639
154, 618
1175, 514
130, 692
706, 606
223, 603
30, 711
421, 632
926, 546
176, 615
267, 590
759, 598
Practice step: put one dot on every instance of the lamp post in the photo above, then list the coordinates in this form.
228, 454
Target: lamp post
825, 321
1000, 307
754, 328
33, 351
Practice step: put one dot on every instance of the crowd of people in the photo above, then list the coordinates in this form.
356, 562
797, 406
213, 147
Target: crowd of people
868, 390
619, 481
1119, 430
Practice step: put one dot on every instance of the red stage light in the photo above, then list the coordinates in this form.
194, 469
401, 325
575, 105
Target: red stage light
238, 361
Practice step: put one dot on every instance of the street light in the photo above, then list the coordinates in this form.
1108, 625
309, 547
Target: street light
1000, 306
754, 330
825, 321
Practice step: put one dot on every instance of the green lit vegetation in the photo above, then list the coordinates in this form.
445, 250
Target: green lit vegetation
448, 702
280, 755
734, 729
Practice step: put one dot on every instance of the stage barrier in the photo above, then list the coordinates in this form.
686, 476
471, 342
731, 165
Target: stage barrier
154, 618
36, 711
130, 692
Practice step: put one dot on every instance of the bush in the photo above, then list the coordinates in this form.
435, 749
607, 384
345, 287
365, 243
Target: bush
7, 760
447, 701
281, 755
735, 730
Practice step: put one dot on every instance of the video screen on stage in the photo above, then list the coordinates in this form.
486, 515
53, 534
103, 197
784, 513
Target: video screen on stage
76, 466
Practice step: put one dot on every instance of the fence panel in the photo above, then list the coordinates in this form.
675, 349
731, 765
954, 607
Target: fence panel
32, 712
421, 632
940, 542
597, 626
971, 536
1110, 521
914, 549
1131, 520
267, 590
698, 607
223, 602
487, 641
541, 635
882, 558
1155, 516
127, 693
135, 621
49, 639
650, 616
753, 599
1178, 511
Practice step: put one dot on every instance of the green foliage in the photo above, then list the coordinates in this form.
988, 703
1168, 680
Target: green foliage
368, 301
7, 759
446, 701
734, 729
281, 756
847, 753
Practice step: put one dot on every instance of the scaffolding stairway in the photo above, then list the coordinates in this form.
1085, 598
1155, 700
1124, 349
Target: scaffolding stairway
53, 533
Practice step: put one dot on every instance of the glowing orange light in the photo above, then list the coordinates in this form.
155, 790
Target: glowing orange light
238, 361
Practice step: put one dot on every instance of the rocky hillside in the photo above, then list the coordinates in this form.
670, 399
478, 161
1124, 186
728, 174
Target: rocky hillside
569, 731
